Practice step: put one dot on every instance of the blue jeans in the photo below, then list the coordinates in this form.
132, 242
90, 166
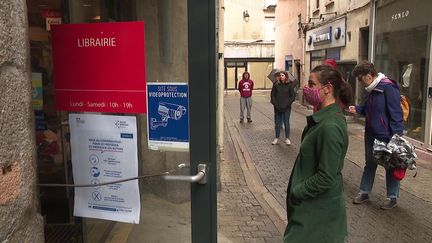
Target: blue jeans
368, 177
280, 117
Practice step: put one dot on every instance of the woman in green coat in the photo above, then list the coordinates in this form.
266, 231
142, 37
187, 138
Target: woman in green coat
315, 202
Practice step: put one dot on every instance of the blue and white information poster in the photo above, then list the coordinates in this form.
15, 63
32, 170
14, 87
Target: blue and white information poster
168, 116
104, 149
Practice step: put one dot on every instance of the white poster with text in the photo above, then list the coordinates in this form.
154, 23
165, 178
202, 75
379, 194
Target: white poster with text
104, 149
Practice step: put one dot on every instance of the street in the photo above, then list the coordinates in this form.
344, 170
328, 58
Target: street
254, 177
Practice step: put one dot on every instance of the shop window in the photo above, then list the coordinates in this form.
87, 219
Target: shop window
259, 72
333, 53
52, 133
52, 152
317, 58
399, 59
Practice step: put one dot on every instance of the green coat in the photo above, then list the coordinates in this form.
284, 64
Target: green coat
315, 201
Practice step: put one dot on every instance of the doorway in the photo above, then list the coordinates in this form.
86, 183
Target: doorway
233, 73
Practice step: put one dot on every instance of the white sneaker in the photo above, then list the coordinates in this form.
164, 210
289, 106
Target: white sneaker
275, 141
287, 141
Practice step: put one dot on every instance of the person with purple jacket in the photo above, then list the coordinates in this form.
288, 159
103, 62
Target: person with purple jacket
383, 119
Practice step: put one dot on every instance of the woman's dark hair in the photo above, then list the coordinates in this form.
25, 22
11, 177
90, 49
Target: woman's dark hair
328, 75
284, 72
286, 75
243, 76
364, 68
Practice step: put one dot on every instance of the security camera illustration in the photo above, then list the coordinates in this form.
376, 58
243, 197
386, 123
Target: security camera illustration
167, 111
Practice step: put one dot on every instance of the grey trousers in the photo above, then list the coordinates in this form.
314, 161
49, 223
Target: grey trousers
245, 102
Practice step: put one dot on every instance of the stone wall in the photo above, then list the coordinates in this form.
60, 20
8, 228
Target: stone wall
19, 219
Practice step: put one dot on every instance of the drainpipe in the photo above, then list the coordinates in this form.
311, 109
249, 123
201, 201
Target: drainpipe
304, 55
164, 18
371, 52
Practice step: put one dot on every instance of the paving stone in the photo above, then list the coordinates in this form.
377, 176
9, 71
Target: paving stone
248, 228
255, 240
256, 223
260, 233
229, 228
273, 239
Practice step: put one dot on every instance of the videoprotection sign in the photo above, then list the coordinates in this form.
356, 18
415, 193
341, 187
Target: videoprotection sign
168, 116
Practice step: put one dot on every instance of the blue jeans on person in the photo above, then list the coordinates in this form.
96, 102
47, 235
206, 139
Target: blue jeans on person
280, 117
369, 171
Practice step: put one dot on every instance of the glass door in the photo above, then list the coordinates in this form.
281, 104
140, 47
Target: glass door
231, 78
429, 99
181, 206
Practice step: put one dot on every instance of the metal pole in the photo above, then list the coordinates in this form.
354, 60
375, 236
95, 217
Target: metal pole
371, 52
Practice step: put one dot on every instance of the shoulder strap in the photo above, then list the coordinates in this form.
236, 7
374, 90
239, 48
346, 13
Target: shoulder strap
391, 81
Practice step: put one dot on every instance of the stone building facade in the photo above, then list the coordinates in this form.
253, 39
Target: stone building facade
19, 217
249, 33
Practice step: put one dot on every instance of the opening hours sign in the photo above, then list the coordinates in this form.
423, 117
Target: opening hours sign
100, 67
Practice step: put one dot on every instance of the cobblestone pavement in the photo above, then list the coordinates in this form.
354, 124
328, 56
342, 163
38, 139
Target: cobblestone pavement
240, 216
411, 221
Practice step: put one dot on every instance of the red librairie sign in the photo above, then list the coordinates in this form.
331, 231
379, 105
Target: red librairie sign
100, 67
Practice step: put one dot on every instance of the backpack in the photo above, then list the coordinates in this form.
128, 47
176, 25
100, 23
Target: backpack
405, 107
404, 101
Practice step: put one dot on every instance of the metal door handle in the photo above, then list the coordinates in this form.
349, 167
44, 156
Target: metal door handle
200, 177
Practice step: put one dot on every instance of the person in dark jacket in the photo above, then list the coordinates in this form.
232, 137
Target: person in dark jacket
282, 96
383, 119
315, 200
245, 88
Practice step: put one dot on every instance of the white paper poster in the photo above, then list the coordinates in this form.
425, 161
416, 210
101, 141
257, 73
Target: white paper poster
104, 149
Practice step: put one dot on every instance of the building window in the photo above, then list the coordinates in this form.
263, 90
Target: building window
269, 28
317, 4
398, 58
299, 29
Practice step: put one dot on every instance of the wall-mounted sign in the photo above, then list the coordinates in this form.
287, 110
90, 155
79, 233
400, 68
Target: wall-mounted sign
400, 15
168, 116
104, 149
330, 35
100, 67
51, 17
337, 33
323, 37
51, 21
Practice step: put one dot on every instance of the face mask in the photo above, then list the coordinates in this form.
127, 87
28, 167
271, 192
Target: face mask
312, 96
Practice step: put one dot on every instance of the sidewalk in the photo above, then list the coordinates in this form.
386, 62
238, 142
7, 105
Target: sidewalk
266, 171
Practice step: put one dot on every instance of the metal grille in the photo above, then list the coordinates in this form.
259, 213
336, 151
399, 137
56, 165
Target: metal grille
69, 233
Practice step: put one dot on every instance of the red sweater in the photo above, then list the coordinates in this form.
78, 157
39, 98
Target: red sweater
245, 87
